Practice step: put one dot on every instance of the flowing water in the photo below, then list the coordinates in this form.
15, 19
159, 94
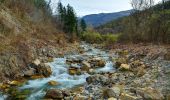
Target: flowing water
60, 73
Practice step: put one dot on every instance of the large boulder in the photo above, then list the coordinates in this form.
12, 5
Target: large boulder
54, 94
43, 69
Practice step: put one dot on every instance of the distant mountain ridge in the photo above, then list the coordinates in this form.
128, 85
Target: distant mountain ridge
98, 19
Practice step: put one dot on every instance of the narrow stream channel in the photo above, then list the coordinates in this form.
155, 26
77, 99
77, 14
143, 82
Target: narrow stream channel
60, 73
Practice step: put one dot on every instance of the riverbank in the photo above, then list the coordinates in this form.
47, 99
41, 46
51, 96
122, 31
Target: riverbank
133, 72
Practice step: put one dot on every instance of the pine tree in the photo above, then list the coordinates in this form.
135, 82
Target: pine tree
83, 25
68, 19
71, 19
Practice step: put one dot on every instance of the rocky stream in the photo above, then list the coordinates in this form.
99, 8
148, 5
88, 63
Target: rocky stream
96, 74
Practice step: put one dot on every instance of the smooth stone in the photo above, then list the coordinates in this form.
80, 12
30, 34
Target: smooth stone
53, 83
54, 94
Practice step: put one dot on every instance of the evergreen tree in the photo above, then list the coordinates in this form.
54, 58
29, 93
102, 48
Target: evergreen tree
60, 10
83, 25
68, 19
71, 19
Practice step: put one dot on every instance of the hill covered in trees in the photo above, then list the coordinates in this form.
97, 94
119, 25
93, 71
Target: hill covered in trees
151, 24
99, 19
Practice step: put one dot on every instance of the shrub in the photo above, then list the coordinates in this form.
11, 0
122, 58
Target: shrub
92, 37
110, 38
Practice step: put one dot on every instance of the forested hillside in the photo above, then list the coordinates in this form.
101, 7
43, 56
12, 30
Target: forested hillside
152, 24
96, 20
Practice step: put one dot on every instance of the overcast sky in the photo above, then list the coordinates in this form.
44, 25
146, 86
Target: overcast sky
85, 7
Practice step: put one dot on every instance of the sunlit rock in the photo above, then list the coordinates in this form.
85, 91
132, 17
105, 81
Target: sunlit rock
53, 83
124, 67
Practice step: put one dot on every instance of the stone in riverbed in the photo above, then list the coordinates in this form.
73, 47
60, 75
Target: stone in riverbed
15, 83
29, 72
37, 76
167, 55
150, 94
85, 66
136, 64
128, 97
53, 83
80, 97
36, 62
89, 79
112, 98
141, 71
120, 61
124, 67
72, 71
54, 94
44, 69
112, 92
97, 62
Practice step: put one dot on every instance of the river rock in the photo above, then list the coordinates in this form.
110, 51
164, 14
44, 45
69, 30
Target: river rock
97, 62
120, 61
80, 97
150, 94
53, 83
85, 66
29, 72
95, 79
168, 96
36, 62
37, 77
136, 64
72, 71
91, 71
75, 66
15, 83
141, 71
54, 94
167, 55
122, 52
112, 98
66, 93
112, 92
124, 67
89, 79
77, 59
44, 69
128, 97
